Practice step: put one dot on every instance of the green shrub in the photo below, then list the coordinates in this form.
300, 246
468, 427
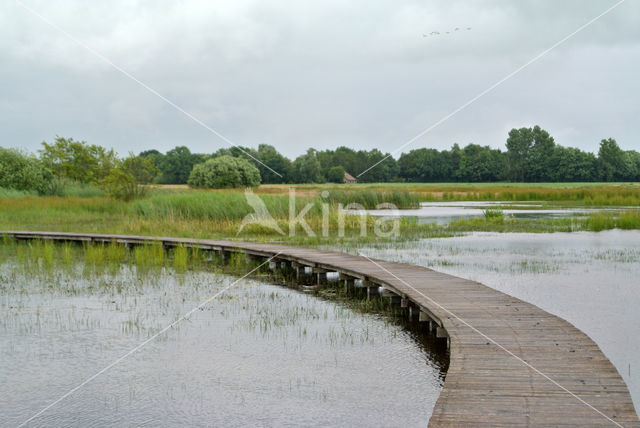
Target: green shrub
335, 174
128, 179
224, 172
77, 161
21, 171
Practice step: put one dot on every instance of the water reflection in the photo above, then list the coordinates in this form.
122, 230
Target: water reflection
260, 354
445, 212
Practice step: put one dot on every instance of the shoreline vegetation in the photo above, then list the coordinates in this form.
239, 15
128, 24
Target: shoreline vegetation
219, 213
43, 258
67, 167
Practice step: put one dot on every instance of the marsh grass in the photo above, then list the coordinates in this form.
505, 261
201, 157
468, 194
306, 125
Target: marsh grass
534, 266
38, 252
370, 199
592, 194
604, 221
599, 221
79, 190
180, 258
193, 214
115, 253
628, 220
197, 255
219, 206
13, 193
239, 263
94, 254
66, 252
47, 252
40, 255
594, 222
218, 214
150, 255
490, 213
124, 289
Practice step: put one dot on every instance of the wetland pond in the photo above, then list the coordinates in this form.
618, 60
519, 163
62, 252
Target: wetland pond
591, 279
259, 354
445, 212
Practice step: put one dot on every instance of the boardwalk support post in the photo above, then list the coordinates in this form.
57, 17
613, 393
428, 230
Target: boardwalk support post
297, 267
372, 288
321, 276
349, 281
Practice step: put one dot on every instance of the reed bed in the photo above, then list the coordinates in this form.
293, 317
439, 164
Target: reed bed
193, 214
219, 214
607, 195
215, 206
44, 256
604, 221
372, 199
594, 222
592, 194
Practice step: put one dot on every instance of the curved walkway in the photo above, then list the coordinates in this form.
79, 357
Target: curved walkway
511, 364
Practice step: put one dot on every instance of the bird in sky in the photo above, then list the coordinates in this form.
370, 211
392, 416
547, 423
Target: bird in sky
437, 33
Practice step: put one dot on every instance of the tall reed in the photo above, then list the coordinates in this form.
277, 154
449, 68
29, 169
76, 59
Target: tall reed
371, 199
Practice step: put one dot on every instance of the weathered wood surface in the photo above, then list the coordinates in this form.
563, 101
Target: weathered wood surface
485, 384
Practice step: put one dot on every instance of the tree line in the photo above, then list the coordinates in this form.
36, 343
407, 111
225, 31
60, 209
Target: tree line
67, 162
531, 155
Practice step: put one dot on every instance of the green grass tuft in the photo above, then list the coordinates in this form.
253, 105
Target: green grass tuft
180, 258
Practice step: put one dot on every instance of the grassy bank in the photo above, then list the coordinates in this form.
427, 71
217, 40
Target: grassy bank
594, 222
590, 194
219, 215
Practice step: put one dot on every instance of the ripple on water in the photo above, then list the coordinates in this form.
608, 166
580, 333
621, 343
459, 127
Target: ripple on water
262, 354
590, 279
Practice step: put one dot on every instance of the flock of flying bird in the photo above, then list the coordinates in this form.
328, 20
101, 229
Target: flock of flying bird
437, 33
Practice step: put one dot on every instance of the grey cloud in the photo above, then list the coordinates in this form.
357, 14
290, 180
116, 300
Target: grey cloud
322, 74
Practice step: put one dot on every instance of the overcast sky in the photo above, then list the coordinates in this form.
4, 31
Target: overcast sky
317, 74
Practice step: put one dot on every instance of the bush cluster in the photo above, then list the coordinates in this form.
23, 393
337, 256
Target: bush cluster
224, 172
21, 171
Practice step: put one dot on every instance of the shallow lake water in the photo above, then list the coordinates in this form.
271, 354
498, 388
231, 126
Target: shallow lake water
591, 279
259, 354
445, 212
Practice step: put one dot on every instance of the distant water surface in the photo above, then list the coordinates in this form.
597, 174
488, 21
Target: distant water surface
591, 279
445, 212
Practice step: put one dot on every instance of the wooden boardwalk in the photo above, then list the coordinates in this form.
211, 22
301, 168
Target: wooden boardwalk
511, 364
